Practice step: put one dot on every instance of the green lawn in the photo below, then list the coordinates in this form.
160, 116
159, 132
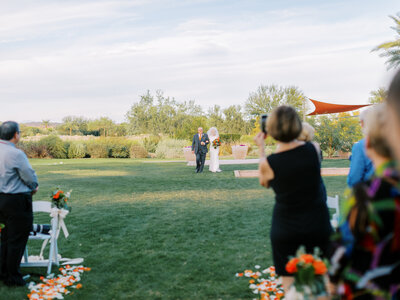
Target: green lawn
160, 231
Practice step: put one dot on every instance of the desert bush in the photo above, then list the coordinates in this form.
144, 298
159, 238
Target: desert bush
77, 150
225, 149
54, 146
119, 147
230, 137
138, 151
33, 149
150, 143
119, 151
97, 149
170, 148
247, 139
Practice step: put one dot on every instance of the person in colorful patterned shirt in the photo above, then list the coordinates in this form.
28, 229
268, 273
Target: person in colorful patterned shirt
393, 114
365, 263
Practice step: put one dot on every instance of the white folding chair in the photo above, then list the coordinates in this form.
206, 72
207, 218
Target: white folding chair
44, 206
333, 203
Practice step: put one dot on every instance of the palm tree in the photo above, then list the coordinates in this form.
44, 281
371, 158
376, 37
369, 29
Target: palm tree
392, 49
46, 123
378, 95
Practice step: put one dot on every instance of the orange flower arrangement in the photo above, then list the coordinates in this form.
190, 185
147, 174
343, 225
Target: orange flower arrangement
308, 271
216, 143
59, 199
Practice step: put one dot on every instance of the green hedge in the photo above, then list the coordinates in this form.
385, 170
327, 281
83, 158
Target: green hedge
110, 147
77, 150
230, 137
55, 147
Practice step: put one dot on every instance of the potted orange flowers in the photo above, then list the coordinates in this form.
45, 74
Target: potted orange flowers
309, 271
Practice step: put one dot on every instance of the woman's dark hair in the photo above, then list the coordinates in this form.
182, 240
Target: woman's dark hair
393, 97
284, 124
8, 130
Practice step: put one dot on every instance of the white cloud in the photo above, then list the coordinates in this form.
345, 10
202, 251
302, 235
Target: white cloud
97, 71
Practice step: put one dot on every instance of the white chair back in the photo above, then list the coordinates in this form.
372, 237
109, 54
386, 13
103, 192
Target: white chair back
44, 207
41, 206
333, 203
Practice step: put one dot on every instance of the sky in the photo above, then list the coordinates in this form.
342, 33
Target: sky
96, 58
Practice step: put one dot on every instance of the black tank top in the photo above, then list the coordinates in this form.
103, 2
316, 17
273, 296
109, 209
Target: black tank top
297, 182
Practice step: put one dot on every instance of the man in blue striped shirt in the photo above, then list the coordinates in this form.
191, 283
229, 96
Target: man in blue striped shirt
361, 168
18, 182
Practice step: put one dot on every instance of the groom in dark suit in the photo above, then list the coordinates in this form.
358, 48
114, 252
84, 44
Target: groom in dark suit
199, 147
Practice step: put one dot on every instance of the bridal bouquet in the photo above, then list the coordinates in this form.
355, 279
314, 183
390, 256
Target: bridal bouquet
216, 143
309, 271
60, 199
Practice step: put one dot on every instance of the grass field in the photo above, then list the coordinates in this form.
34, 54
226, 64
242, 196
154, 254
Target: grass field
160, 231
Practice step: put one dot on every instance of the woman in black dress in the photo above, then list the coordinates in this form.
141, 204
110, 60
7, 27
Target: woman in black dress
300, 215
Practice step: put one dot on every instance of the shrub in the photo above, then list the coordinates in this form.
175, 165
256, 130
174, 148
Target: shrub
247, 139
76, 150
54, 146
98, 150
150, 143
138, 151
34, 150
119, 151
170, 148
229, 137
225, 149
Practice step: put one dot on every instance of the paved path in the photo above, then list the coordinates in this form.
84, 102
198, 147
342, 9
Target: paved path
221, 161
324, 172
230, 162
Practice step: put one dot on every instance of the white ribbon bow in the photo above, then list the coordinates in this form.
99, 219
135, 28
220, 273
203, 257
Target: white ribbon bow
61, 213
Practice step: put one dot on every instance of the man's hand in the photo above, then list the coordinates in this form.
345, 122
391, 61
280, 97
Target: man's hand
192, 152
35, 191
202, 143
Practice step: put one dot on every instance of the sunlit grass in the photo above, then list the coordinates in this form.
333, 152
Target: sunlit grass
160, 231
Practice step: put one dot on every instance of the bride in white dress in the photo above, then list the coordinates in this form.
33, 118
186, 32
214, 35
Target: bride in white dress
214, 152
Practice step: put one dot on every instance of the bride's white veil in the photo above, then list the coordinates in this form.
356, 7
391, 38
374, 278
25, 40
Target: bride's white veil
211, 131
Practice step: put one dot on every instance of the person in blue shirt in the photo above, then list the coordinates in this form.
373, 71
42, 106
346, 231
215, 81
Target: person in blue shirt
18, 182
361, 167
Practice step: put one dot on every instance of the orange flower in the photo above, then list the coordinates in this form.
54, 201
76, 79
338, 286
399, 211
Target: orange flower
57, 195
79, 286
307, 258
240, 275
291, 266
319, 267
279, 295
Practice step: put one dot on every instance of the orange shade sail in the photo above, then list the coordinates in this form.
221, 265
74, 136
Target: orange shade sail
322, 108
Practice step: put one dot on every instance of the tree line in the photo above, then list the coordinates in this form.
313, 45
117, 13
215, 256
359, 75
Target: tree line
157, 114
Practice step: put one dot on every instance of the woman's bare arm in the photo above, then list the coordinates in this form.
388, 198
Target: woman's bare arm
266, 173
